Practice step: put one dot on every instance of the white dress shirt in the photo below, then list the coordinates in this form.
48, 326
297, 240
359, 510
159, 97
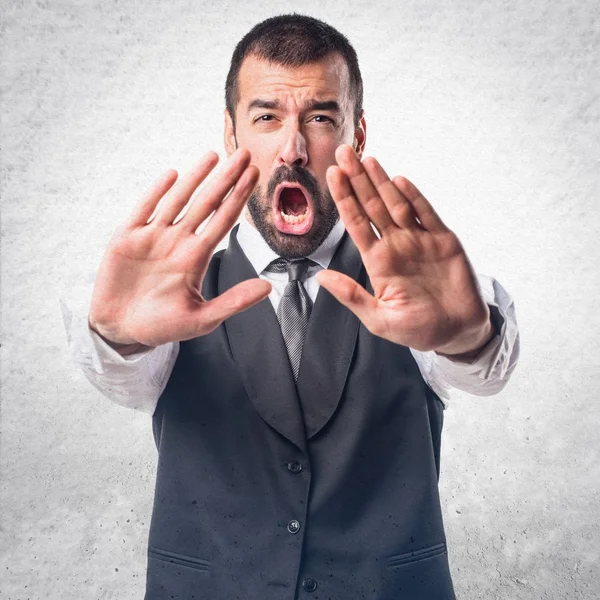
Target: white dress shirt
137, 380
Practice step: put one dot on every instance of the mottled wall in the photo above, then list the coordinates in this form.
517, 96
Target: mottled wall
491, 108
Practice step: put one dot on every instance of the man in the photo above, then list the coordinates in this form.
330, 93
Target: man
298, 428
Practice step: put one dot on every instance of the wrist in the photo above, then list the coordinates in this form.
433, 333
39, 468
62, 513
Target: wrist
469, 348
123, 348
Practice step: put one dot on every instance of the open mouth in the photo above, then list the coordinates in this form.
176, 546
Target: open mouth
293, 211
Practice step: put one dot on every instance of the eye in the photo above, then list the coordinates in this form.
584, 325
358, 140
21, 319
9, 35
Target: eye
326, 119
264, 119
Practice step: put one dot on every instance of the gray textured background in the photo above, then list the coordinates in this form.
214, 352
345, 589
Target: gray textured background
491, 108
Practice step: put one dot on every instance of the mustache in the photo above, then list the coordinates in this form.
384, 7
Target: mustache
294, 174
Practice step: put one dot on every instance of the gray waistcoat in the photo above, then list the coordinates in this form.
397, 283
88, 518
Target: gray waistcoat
268, 491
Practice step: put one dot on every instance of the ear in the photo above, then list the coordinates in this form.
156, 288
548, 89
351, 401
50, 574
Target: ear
360, 136
229, 135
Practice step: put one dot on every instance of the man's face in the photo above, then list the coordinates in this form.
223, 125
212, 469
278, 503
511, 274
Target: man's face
292, 120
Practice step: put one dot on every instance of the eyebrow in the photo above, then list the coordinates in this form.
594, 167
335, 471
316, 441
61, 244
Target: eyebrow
330, 105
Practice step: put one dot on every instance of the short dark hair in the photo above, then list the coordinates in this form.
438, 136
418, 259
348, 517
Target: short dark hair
292, 41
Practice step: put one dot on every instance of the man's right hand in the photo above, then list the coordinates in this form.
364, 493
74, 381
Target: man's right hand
148, 286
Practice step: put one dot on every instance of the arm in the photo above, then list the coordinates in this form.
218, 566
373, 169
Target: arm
489, 370
147, 291
426, 295
135, 380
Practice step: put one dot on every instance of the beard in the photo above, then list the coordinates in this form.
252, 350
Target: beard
287, 245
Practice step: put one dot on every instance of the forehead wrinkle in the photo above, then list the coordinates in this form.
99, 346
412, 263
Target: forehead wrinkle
303, 93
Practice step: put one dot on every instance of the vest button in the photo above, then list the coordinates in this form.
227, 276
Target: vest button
310, 585
293, 526
294, 466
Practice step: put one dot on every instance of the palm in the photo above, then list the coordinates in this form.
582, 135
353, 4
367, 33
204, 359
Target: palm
419, 284
147, 289
425, 290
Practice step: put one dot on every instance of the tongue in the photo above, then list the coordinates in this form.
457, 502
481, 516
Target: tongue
293, 201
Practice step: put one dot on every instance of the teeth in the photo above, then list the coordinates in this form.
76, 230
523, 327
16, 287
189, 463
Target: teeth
293, 218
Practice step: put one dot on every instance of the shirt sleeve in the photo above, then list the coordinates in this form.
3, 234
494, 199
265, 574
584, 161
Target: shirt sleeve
490, 370
135, 381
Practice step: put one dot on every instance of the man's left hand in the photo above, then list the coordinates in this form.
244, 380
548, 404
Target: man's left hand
426, 294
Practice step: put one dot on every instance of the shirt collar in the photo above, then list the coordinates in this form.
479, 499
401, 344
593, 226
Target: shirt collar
260, 255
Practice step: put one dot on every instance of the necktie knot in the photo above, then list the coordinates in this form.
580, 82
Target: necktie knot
296, 268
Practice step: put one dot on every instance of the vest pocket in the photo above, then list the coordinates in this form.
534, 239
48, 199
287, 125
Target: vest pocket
179, 559
399, 560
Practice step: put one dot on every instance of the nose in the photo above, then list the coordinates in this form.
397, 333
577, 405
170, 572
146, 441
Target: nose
292, 151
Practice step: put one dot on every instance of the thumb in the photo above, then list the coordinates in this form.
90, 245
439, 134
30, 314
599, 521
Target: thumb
236, 299
352, 295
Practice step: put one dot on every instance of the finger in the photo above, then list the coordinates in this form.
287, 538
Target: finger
364, 190
180, 194
236, 299
143, 211
354, 217
229, 210
210, 198
428, 216
399, 208
352, 295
